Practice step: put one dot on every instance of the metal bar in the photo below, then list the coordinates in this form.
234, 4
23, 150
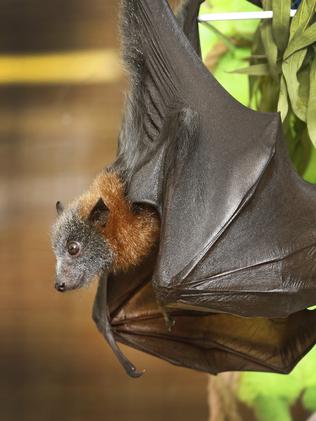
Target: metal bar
213, 17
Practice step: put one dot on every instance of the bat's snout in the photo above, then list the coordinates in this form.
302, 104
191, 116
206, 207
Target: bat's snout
60, 286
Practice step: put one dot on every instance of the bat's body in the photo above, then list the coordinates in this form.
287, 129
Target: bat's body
223, 227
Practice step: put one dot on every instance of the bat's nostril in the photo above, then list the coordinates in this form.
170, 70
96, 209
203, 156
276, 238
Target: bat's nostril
60, 286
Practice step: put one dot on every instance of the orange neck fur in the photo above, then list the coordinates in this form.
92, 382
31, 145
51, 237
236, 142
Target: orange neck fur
131, 236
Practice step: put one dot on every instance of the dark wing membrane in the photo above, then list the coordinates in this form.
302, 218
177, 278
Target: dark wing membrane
201, 185
207, 342
264, 263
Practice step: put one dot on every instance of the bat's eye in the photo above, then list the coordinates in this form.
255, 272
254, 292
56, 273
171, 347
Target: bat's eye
73, 248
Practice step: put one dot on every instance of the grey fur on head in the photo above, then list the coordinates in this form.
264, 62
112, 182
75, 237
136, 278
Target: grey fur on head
94, 257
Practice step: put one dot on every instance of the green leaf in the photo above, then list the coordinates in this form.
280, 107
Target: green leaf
257, 44
256, 57
302, 17
310, 173
283, 105
303, 40
301, 154
311, 109
267, 4
254, 70
303, 77
270, 47
309, 399
290, 68
269, 94
280, 23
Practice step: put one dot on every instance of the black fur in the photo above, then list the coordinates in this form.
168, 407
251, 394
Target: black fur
142, 119
146, 113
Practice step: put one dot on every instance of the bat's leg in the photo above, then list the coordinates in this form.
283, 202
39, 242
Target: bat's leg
170, 322
101, 318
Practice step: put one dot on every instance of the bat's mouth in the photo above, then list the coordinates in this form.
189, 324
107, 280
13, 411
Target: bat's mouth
62, 286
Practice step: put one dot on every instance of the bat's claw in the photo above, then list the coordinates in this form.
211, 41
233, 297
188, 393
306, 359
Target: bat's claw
170, 322
129, 367
133, 372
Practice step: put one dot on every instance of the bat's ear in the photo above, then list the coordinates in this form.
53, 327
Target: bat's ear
99, 214
59, 208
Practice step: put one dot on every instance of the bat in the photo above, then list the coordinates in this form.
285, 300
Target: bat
200, 221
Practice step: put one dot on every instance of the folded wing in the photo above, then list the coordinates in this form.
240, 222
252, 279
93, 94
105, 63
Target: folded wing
186, 146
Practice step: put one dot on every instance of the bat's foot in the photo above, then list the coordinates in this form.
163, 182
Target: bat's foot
170, 322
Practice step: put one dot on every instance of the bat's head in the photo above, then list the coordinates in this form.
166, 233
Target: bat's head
101, 231
82, 252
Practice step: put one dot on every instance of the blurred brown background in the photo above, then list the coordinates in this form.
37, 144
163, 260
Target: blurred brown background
61, 96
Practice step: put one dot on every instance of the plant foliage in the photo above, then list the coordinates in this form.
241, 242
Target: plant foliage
282, 74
